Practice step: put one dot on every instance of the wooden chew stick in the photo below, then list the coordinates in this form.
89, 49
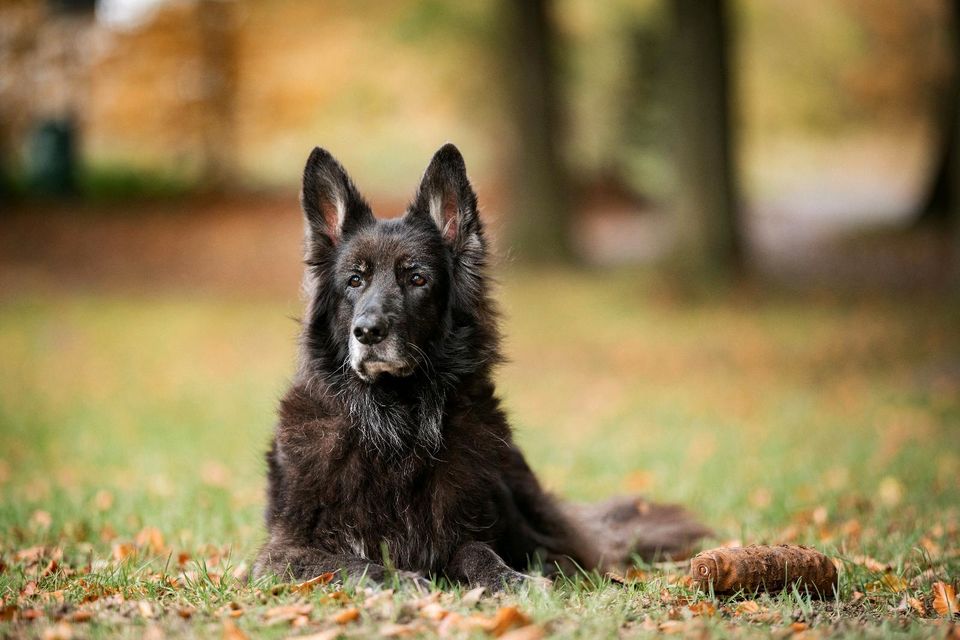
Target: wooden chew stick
765, 568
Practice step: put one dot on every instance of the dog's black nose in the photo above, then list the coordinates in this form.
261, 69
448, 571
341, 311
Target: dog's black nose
370, 330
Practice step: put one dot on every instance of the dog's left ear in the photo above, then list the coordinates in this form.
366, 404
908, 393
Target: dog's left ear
446, 197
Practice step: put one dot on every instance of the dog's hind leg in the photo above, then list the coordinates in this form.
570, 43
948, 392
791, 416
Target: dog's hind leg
630, 526
478, 565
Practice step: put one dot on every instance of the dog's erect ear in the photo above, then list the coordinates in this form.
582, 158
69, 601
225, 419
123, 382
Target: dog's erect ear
446, 197
331, 203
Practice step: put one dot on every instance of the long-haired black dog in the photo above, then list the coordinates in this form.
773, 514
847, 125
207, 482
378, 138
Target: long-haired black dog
392, 450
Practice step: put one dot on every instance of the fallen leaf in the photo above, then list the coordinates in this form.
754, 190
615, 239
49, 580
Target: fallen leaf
328, 634
890, 491
61, 631
917, 606
123, 550
185, 612
945, 599
529, 632
748, 608
702, 608
29, 555
41, 519
309, 585
433, 611
232, 632
871, 564
80, 616
798, 627
151, 539
394, 630
672, 626
507, 618
346, 616
103, 500
472, 597
895, 582
286, 613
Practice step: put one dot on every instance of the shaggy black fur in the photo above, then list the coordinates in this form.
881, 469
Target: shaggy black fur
391, 448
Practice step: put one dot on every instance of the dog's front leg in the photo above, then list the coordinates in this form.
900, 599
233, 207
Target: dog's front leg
302, 563
476, 564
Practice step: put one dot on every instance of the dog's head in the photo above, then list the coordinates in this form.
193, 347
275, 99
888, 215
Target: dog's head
385, 292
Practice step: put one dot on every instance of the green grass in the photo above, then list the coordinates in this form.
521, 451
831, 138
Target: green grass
821, 419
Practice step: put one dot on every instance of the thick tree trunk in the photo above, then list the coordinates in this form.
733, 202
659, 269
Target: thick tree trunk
938, 205
216, 21
540, 207
708, 220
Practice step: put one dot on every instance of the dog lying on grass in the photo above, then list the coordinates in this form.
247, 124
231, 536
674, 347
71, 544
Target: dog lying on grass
392, 452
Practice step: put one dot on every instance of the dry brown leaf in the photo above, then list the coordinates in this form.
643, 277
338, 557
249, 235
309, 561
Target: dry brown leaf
472, 597
185, 612
672, 626
108, 533
346, 616
232, 632
153, 632
151, 539
103, 500
870, 564
41, 519
917, 606
309, 585
748, 608
327, 634
123, 550
507, 618
286, 613
945, 599
29, 555
702, 608
393, 630
529, 632
433, 611
80, 616
799, 627
60, 631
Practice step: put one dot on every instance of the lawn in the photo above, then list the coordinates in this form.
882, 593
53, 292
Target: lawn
132, 427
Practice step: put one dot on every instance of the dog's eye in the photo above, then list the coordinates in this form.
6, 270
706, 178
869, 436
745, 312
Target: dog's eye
417, 280
355, 281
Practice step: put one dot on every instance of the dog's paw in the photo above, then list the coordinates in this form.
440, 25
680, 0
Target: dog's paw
419, 582
514, 580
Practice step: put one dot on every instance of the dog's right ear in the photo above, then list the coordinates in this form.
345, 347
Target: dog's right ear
331, 203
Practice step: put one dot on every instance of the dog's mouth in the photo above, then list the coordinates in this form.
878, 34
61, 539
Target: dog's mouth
372, 369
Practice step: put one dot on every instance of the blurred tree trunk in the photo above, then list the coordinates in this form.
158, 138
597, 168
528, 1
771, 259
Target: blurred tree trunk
539, 193
710, 237
218, 52
938, 205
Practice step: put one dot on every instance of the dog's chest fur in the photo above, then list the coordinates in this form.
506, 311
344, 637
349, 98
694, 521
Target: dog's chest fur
414, 508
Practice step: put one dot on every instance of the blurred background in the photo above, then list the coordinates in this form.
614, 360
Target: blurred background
738, 218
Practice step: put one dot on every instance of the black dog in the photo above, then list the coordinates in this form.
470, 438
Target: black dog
391, 448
